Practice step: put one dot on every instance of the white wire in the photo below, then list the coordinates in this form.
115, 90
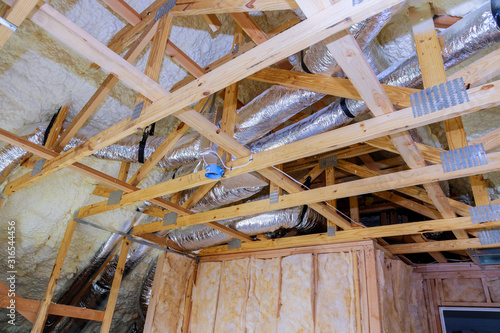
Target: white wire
228, 168
338, 211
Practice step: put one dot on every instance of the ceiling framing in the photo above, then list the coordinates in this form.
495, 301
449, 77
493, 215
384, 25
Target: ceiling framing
418, 165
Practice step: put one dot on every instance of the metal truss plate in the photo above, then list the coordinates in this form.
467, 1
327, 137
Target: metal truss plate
164, 9
115, 197
234, 244
37, 168
274, 197
328, 162
462, 158
331, 230
490, 236
439, 97
169, 219
485, 213
137, 111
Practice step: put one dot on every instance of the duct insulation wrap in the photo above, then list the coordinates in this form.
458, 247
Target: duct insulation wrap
199, 236
147, 287
475, 32
277, 104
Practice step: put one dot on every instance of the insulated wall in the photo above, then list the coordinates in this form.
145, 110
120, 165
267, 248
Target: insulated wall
316, 289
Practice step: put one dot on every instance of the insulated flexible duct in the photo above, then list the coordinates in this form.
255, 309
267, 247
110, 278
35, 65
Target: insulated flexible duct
277, 104
200, 236
475, 32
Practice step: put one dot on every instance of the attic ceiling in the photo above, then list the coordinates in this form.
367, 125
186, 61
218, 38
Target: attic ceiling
38, 75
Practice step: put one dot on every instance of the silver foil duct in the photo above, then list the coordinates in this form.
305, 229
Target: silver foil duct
147, 286
277, 104
11, 157
200, 236
475, 32
99, 289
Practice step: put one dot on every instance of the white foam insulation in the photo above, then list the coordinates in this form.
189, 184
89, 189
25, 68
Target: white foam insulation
39, 74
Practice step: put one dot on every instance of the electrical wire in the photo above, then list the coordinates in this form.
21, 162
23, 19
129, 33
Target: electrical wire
220, 159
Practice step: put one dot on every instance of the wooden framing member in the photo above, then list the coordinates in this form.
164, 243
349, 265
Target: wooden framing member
412, 228
56, 127
108, 84
42, 313
115, 287
334, 86
81, 168
250, 27
323, 24
212, 21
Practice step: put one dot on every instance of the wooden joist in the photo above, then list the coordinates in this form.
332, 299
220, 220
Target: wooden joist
458, 223
448, 245
56, 128
328, 85
342, 137
296, 38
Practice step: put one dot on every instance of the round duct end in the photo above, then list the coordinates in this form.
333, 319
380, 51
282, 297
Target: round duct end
213, 171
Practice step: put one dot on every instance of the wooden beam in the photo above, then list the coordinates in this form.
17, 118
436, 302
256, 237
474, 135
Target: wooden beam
16, 15
458, 223
42, 313
212, 21
198, 7
342, 137
104, 89
123, 173
115, 287
380, 183
449, 245
296, 38
56, 128
328, 85
125, 11
81, 168
29, 308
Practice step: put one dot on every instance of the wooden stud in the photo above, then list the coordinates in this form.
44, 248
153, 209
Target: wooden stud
115, 287
42, 313
372, 291
123, 173
4, 303
188, 302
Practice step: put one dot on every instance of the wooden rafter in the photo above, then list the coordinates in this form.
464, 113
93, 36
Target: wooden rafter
123, 9
16, 15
